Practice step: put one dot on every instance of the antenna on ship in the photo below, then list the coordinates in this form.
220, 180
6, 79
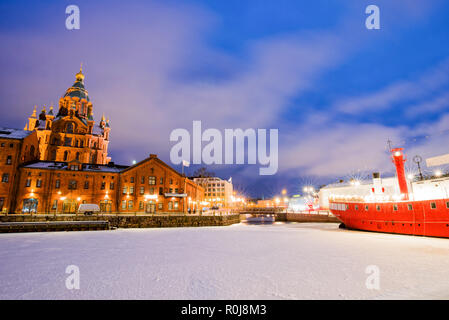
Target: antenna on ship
389, 144
417, 159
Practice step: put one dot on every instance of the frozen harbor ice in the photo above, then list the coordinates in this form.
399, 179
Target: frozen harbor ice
278, 261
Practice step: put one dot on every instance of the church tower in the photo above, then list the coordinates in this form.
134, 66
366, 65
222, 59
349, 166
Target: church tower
72, 134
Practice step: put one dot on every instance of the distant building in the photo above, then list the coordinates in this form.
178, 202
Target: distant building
358, 189
62, 161
72, 134
217, 192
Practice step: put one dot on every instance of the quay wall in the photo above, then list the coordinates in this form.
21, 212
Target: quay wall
305, 217
134, 221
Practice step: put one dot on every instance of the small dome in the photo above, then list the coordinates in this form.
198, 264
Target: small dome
77, 89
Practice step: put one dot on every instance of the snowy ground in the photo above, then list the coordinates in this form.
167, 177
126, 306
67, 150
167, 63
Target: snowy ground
279, 261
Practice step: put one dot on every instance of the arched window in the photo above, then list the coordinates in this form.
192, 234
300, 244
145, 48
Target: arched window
77, 156
66, 155
81, 143
32, 152
69, 128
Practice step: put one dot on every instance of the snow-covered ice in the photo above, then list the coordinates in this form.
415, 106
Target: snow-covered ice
279, 261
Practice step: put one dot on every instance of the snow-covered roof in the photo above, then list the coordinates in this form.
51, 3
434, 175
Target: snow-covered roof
348, 183
52, 165
14, 133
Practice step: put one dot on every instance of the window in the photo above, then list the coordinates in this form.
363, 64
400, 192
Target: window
170, 205
171, 181
433, 205
160, 206
142, 179
55, 205
130, 204
86, 184
9, 160
142, 190
141, 205
176, 204
125, 190
170, 190
111, 186
38, 183
151, 180
176, 190
356, 207
132, 179
161, 181
72, 185
131, 190
151, 190
69, 128
5, 177
377, 207
28, 183
103, 185
161, 191
66, 155
447, 204
67, 142
410, 207
124, 204
57, 184
366, 208
395, 207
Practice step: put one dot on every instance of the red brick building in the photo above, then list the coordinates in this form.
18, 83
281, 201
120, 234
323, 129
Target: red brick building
61, 162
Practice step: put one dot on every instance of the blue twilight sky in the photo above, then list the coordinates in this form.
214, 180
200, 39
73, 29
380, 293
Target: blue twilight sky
335, 90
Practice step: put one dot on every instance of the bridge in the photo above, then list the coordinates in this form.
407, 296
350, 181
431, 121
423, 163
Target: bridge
280, 214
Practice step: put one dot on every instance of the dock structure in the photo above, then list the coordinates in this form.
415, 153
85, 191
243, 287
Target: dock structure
41, 226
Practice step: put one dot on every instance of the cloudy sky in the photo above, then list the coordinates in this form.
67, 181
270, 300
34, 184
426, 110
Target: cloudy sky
335, 90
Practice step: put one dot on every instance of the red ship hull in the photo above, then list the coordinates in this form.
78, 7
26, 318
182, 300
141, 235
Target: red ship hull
422, 218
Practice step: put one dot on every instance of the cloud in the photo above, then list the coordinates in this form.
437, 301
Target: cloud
397, 92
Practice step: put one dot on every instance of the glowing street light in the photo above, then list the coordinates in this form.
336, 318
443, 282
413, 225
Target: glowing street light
438, 173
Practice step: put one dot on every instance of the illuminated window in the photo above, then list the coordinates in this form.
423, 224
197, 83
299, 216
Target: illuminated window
151, 180
410, 207
378, 208
5, 177
395, 207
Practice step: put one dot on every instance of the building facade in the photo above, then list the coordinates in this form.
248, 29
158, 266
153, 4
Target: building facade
61, 161
73, 133
217, 192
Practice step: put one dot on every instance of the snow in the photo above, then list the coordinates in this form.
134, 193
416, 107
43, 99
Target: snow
277, 261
